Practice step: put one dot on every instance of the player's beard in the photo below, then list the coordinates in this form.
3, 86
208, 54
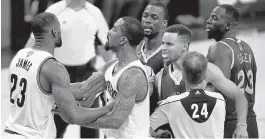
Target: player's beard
216, 34
151, 35
107, 46
58, 43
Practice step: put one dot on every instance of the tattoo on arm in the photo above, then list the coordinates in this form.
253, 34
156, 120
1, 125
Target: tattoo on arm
131, 84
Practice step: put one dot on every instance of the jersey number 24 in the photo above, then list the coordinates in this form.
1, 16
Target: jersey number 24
22, 85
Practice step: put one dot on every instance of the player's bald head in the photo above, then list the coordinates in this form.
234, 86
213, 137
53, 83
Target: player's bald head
43, 23
194, 67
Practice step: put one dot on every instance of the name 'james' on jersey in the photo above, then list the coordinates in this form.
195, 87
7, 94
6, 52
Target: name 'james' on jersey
31, 107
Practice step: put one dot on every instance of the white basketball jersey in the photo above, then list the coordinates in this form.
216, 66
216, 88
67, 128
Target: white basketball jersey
198, 114
138, 122
31, 108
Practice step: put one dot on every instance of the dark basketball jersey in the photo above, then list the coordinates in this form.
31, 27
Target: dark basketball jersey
155, 61
170, 84
243, 74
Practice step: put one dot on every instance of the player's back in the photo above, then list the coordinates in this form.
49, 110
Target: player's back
243, 74
196, 114
31, 105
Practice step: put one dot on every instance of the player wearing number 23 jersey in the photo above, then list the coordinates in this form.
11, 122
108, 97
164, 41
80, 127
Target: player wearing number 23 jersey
236, 60
31, 106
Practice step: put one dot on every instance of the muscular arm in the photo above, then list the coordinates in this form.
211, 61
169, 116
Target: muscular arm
93, 85
132, 84
221, 55
228, 88
60, 82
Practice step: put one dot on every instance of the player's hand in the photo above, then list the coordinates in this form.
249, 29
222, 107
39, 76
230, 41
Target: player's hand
110, 106
163, 134
240, 132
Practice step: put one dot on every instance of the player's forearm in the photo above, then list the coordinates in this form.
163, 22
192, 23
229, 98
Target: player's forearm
93, 85
87, 115
107, 121
241, 107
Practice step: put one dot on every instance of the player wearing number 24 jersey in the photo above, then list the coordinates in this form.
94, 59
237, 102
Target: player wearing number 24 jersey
236, 59
195, 113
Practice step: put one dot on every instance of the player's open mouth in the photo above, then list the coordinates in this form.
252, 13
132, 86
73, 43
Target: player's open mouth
165, 56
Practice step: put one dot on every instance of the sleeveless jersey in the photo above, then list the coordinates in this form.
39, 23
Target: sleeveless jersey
194, 114
155, 60
31, 108
170, 82
243, 74
137, 124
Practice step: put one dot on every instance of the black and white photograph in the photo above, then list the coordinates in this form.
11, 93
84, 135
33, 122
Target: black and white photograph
132, 69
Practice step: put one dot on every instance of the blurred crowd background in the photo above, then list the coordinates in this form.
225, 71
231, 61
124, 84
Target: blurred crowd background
17, 14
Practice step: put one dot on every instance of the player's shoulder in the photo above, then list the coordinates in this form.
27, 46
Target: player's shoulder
221, 47
215, 95
51, 68
174, 98
56, 6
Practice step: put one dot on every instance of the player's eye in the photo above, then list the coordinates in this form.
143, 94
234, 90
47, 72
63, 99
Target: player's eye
144, 15
214, 17
154, 17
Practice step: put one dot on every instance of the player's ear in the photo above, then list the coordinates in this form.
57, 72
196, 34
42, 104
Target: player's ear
54, 32
165, 23
123, 40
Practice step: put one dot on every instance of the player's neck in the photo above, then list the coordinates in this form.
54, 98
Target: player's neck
229, 34
76, 4
154, 43
177, 65
189, 86
126, 55
44, 45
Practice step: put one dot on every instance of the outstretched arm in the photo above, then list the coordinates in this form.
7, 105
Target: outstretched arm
132, 84
228, 88
93, 85
60, 83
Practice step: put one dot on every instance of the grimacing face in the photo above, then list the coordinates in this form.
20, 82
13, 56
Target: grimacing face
152, 20
172, 47
215, 25
115, 35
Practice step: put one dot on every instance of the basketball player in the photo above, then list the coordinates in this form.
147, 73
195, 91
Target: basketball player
37, 81
196, 113
82, 23
237, 61
154, 20
176, 42
127, 84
